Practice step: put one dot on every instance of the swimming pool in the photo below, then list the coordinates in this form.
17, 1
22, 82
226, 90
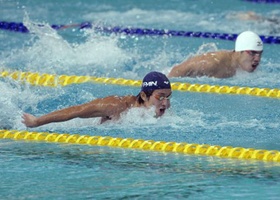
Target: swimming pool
42, 170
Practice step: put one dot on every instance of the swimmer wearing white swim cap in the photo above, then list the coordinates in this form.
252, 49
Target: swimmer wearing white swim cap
250, 43
224, 64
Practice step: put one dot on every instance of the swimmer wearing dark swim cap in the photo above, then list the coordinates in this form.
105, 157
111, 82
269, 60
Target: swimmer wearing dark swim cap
155, 91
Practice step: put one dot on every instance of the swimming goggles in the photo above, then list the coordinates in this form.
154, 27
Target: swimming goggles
161, 98
254, 53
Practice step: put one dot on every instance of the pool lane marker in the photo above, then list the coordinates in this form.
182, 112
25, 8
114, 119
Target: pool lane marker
21, 28
53, 80
147, 145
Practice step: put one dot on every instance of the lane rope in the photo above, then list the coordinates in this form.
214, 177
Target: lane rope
19, 27
147, 145
50, 80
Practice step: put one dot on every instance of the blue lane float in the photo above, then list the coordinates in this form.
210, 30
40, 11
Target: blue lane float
19, 27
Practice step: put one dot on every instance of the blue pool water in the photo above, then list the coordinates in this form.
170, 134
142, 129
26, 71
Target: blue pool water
62, 171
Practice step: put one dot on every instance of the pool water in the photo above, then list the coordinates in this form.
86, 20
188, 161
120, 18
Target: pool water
37, 170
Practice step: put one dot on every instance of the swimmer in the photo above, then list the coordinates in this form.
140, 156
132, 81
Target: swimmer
270, 24
224, 64
155, 91
252, 16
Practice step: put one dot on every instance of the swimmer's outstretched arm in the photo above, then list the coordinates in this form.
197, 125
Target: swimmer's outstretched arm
97, 108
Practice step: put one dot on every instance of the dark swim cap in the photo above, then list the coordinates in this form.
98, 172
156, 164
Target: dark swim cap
154, 81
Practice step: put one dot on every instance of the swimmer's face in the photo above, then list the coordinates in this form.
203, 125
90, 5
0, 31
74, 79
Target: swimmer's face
250, 60
161, 100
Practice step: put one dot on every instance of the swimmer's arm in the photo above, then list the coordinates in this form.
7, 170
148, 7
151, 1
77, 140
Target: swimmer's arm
96, 108
197, 66
211, 64
181, 70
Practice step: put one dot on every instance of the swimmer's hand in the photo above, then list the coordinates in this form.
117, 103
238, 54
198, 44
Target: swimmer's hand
29, 120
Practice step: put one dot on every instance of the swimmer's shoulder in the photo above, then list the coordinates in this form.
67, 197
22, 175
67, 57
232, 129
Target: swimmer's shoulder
128, 99
216, 54
223, 54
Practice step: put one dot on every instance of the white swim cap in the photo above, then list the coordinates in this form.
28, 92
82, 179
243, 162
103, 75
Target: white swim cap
248, 40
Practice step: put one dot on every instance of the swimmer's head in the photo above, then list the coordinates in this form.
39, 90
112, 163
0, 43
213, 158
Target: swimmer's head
154, 81
156, 92
248, 40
